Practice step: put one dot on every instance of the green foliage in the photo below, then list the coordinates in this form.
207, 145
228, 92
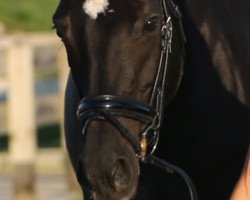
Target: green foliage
78, 197
4, 142
27, 15
48, 136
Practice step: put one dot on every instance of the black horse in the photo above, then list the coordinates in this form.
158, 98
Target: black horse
140, 68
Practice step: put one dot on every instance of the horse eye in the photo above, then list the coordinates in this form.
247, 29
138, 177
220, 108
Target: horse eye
151, 24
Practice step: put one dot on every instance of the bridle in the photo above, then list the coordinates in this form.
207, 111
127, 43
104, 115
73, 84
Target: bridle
110, 107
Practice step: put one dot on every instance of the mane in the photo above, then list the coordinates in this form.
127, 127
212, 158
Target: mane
95, 7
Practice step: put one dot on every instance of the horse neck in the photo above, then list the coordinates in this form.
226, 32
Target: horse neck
222, 31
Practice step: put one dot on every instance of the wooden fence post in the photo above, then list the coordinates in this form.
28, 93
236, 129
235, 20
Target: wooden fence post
21, 119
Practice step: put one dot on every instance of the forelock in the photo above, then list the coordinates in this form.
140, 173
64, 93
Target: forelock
94, 7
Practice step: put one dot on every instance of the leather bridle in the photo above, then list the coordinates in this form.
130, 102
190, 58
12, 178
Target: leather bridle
110, 107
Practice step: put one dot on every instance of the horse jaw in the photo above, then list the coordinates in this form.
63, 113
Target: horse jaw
95, 7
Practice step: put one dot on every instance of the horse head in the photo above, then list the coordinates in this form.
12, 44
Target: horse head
120, 52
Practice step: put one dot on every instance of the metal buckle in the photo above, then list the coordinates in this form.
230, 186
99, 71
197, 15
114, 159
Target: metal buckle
167, 34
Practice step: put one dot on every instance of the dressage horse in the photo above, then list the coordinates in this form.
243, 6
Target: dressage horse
154, 81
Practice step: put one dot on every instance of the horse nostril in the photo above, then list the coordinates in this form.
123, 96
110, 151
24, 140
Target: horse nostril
121, 174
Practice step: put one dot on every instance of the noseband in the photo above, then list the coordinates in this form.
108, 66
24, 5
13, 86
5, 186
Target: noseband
109, 107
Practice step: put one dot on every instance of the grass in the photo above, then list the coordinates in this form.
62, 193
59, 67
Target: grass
27, 15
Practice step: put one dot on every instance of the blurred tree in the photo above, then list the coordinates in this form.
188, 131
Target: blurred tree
27, 15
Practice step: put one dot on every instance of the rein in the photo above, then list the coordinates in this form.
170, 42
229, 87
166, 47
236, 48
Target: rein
109, 107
